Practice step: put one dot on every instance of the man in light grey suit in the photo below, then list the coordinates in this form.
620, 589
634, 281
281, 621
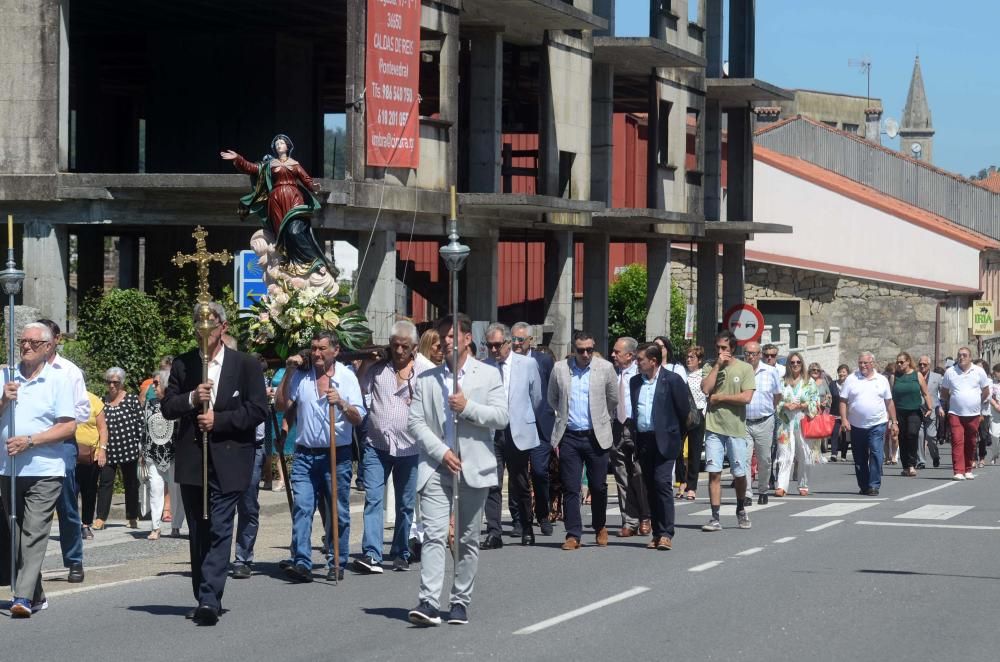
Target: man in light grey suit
513, 444
480, 407
583, 391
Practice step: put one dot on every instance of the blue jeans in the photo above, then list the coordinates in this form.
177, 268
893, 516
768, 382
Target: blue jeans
377, 467
248, 513
70, 526
867, 445
310, 477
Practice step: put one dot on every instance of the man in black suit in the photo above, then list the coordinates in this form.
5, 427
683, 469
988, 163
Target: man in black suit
521, 341
659, 417
237, 405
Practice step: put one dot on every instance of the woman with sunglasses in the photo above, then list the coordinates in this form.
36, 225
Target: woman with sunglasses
909, 392
798, 399
819, 379
126, 432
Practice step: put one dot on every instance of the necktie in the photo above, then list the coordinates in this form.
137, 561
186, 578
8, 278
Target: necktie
621, 399
500, 368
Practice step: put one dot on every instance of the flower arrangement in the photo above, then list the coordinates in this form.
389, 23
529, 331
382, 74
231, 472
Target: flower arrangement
284, 320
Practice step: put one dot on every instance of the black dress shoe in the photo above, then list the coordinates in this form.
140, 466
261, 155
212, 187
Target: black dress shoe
761, 499
241, 571
516, 530
206, 615
527, 539
491, 541
921, 465
872, 492
299, 573
337, 573
189, 614
75, 573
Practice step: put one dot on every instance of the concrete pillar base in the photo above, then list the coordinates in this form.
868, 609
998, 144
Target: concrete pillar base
46, 265
377, 284
559, 291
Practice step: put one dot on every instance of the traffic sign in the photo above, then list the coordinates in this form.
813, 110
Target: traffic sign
746, 323
249, 279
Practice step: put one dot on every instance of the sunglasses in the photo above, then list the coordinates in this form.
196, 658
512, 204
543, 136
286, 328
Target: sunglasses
795, 363
518, 340
901, 362
584, 350
496, 345
113, 382
34, 344
770, 356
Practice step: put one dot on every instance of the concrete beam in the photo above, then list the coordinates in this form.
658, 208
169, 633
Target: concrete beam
595, 289
658, 289
46, 265
559, 290
376, 283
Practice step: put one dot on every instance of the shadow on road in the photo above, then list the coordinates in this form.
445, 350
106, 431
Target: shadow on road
161, 610
908, 573
392, 613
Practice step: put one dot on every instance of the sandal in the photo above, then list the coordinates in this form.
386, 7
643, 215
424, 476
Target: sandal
167, 516
98, 525
690, 496
153, 535
779, 492
803, 491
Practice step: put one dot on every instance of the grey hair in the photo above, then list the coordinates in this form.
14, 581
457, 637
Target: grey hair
405, 329
630, 344
498, 326
164, 377
216, 309
44, 328
520, 325
230, 342
864, 354
115, 372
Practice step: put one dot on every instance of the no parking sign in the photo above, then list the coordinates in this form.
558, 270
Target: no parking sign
746, 323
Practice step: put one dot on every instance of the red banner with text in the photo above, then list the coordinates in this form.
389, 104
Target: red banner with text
392, 73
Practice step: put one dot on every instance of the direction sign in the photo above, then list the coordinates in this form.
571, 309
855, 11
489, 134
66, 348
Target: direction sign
746, 323
249, 280
982, 318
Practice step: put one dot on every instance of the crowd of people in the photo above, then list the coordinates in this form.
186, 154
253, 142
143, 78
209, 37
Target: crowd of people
447, 432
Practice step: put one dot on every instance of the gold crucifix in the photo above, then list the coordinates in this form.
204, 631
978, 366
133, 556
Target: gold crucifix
202, 259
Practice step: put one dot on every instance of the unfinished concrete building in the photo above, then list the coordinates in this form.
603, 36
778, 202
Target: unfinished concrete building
113, 112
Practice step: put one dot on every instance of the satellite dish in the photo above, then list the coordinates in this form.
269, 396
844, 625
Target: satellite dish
891, 127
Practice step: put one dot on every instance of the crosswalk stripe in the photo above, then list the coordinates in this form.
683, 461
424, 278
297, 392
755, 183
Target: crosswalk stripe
729, 510
934, 512
838, 509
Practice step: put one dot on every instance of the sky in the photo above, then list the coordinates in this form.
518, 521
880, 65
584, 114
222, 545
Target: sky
808, 43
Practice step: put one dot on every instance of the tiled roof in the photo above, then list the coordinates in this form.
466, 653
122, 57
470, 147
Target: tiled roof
873, 198
991, 182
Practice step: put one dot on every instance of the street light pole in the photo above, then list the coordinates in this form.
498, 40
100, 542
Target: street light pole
454, 254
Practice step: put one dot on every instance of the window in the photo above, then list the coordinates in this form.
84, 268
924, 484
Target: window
663, 133
851, 128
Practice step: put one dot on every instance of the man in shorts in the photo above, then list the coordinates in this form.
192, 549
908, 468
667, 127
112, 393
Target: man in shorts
729, 385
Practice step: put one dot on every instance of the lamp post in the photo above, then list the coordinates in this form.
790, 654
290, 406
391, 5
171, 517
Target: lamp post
11, 278
454, 253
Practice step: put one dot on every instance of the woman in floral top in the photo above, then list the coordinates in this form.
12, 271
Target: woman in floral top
799, 398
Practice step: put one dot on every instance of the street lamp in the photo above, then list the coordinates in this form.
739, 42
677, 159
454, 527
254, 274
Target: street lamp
11, 278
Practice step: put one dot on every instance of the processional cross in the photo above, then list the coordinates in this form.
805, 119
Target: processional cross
204, 325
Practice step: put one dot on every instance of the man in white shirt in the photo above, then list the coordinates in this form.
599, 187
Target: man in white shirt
963, 390
632, 500
866, 408
760, 418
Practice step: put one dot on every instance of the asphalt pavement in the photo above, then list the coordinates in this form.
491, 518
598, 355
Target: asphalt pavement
910, 574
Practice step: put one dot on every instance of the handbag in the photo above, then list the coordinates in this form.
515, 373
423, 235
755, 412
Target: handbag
819, 426
85, 453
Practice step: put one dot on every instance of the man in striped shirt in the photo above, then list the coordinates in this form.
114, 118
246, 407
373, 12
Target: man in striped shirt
389, 449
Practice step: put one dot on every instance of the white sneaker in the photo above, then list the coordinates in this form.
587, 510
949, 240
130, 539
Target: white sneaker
958, 477
970, 476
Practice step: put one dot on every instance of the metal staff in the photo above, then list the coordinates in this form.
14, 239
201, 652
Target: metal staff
206, 324
454, 254
11, 278
279, 446
334, 514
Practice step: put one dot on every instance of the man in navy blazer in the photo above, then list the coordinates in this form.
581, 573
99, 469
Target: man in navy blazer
659, 417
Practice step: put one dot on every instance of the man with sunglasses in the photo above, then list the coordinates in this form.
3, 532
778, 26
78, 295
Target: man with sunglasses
44, 418
760, 417
583, 392
512, 446
928, 426
729, 386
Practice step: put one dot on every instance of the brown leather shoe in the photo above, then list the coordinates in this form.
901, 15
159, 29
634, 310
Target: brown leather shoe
645, 527
626, 532
602, 537
664, 544
571, 544
653, 543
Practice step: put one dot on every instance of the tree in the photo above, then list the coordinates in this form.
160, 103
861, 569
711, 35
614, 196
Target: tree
123, 328
627, 307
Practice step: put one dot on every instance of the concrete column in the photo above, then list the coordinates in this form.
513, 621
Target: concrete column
485, 92
602, 96
739, 202
732, 274
707, 314
652, 144
742, 23
658, 288
128, 261
559, 290
548, 142
448, 71
356, 37
377, 283
712, 188
90, 260
595, 289
480, 279
46, 264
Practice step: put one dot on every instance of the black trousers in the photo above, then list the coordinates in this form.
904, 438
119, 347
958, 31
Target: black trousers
576, 450
658, 474
106, 487
687, 471
211, 540
516, 462
909, 437
87, 476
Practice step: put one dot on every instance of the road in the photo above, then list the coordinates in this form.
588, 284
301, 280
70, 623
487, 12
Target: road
911, 574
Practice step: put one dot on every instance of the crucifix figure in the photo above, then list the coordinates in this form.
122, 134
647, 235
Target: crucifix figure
202, 259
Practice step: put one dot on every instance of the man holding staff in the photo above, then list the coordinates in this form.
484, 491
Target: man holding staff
444, 420
237, 404
329, 388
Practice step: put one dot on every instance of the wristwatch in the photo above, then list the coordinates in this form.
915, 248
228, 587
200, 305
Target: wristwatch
31, 443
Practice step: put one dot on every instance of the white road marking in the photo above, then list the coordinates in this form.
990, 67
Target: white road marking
931, 526
729, 510
784, 540
824, 526
813, 498
562, 618
94, 587
933, 489
932, 511
838, 509
749, 552
705, 566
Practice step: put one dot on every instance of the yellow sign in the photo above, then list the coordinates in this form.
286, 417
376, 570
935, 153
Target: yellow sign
982, 318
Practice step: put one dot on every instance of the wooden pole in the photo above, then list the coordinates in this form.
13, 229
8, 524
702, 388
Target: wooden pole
334, 514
